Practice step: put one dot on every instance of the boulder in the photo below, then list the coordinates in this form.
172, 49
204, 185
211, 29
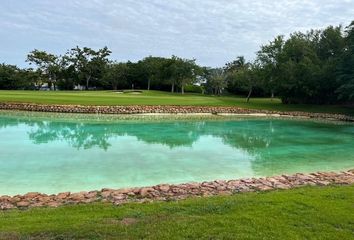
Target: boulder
31, 195
63, 195
22, 204
144, 192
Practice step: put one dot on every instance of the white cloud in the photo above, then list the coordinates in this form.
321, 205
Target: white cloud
213, 31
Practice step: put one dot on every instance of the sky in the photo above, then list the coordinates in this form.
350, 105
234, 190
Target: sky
211, 31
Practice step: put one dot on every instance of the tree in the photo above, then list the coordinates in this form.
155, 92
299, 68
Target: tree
169, 72
12, 77
299, 70
9, 76
188, 73
31, 79
68, 75
240, 77
245, 79
89, 63
268, 58
181, 72
48, 63
346, 67
329, 47
116, 73
150, 68
216, 80
235, 65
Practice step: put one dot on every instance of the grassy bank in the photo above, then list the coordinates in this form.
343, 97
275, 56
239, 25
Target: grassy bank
304, 213
159, 98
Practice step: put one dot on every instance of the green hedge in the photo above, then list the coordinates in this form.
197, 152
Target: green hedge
193, 89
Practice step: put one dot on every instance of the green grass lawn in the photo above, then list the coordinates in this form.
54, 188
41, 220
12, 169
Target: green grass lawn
303, 213
158, 98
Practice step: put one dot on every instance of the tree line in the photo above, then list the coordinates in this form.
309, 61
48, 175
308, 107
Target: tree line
313, 67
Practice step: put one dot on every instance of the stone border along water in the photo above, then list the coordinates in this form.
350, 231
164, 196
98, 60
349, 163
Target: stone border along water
146, 110
168, 192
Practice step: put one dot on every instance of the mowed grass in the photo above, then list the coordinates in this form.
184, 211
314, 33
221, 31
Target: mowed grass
159, 98
303, 213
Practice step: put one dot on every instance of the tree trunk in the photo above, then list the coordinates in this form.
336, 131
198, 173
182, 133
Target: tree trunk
115, 87
249, 94
272, 97
182, 89
149, 84
54, 82
87, 82
173, 88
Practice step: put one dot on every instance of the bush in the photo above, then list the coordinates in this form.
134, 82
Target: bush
193, 89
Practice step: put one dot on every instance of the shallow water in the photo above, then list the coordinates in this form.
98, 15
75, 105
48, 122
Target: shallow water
52, 153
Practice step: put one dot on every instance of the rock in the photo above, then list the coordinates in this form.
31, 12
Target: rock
22, 204
6, 206
106, 194
37, 204
78, 196
131, 194
15, 199
193, 185
242, 188
53, 204
136, 190
208, 185
63, 195
163, 109
107, 190
164, 192
144, 192
88, 200
164, 187
281, 186
123, 191
247, 181
5, 198
31, 195
91, 195
221, 182
119, 197
221, 188
44, 199
264, 188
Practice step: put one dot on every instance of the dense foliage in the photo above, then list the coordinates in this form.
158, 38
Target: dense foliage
313, 67
316, 67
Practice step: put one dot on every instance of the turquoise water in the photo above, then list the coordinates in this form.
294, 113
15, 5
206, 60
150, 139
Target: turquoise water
52, 153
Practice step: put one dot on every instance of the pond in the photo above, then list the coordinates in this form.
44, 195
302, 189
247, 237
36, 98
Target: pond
52, 153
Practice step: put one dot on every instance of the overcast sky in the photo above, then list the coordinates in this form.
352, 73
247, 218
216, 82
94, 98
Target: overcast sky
212, 31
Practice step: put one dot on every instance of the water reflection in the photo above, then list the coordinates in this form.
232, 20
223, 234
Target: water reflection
247, 135
58, 150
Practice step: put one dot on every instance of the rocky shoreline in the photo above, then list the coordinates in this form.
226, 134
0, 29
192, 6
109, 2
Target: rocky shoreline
168, 192
162, 110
